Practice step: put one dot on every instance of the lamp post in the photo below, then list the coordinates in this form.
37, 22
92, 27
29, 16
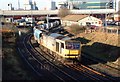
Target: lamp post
106, 14
31, 18
110, 5
47, 21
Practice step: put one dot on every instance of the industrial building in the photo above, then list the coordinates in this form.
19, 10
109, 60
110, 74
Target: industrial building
81, 20
30, 5
50, 5
91, 4
117, 16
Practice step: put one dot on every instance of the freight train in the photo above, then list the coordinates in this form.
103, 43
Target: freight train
48, 26
61, 47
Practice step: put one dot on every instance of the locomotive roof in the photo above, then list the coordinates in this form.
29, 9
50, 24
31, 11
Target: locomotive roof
59, 36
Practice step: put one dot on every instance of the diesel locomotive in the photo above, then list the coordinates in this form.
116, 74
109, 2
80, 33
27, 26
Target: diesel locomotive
61, 47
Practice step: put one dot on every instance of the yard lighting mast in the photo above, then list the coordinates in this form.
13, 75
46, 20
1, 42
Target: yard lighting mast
110, 5
47, 21
106, 14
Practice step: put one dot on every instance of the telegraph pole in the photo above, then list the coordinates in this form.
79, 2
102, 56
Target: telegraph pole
47, 21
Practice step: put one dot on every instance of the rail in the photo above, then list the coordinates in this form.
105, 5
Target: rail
90, 73
62, 75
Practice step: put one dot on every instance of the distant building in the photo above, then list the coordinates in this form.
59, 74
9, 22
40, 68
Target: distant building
10, 6
34, 6
89, 4
117, 5
81, 20
30, 5
8, 19
62, 4
117, 16
53, 5
117, 8
27, 5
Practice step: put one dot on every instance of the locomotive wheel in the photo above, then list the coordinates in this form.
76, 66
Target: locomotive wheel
51, 52
54, 54
75, 62
63, 60
59, 58
79, 59
42, 47
56, 58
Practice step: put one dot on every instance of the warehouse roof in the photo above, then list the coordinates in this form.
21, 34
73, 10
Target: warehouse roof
74, 17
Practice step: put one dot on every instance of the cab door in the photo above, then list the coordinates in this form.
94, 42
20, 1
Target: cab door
61, 48
57, 47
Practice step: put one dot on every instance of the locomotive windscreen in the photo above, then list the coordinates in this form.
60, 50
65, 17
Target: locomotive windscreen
73, 45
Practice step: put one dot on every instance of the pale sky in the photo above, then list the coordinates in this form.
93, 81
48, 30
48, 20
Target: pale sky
40, 3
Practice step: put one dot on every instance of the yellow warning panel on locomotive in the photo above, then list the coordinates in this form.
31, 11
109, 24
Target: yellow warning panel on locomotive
74, 51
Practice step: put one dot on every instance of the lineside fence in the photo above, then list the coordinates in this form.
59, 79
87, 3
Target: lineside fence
113, 30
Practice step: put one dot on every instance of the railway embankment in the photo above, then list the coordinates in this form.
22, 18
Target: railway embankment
100, 45
12, 65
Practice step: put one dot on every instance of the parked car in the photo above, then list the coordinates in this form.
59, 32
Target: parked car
93, 27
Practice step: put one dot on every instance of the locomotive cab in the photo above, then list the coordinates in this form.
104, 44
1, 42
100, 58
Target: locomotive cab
72, 50
69, 49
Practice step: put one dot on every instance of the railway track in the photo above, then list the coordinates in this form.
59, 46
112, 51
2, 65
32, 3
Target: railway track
102, 67
107, 77
95, 75
86, 55
60, 66
75, 73
86, 72
96, 60
33, 63
37, 62
92, 74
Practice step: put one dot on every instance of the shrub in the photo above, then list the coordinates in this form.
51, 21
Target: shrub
74, 28
63, 12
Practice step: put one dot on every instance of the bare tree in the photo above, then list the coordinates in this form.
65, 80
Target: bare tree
76, 29
63, 12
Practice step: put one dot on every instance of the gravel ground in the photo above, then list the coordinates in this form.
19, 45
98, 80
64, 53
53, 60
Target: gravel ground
13, 66
107, 70
95, 44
